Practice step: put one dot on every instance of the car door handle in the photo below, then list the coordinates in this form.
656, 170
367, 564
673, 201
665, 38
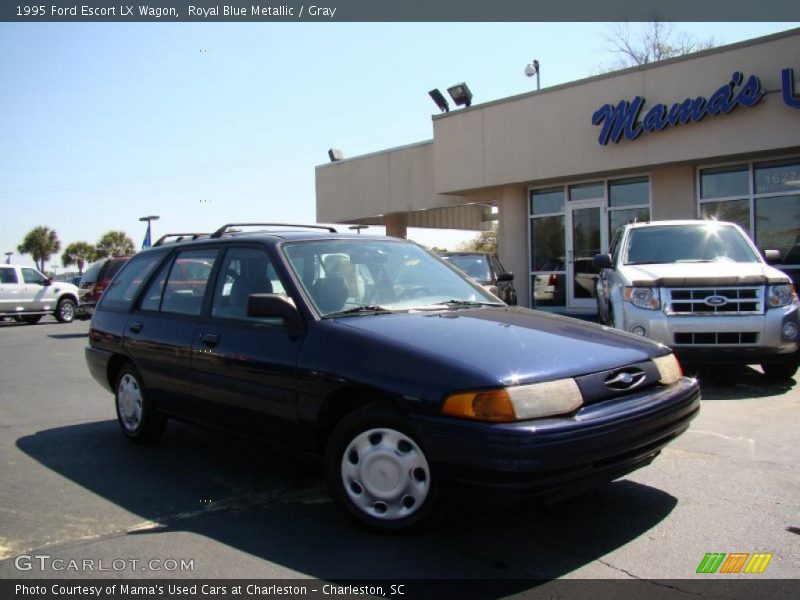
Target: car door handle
135, 327
210, 339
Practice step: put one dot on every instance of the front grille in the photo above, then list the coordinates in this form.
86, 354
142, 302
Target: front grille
715, 301
700, 338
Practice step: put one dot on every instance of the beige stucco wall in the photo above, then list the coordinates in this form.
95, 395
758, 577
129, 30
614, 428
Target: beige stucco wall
548, 135
512, 237
673, 194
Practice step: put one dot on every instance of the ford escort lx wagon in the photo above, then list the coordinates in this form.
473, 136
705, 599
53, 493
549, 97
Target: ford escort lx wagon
389, 366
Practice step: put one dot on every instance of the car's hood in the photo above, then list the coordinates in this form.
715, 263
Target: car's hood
701, 273
511, 344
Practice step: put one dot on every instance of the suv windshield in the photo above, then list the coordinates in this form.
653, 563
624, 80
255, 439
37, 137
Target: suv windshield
360, 277
474, 265
701, 242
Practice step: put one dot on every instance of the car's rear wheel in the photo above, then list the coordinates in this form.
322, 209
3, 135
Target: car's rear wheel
377, 470
780, 371
65, 311
136, 415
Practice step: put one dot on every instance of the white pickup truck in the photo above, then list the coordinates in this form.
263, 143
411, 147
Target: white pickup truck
703, 289
26, 295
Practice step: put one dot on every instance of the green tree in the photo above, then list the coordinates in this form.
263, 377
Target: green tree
485, 241
114, 243
41, 243
650, 42
78, 253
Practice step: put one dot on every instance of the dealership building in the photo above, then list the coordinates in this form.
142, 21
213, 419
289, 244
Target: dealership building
715, 134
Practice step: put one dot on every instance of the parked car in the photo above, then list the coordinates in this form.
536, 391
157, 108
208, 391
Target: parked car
26, 295
389, 366
94, 282
485, 268
703, 289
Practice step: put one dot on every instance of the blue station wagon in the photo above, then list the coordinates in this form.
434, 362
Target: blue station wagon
383, 362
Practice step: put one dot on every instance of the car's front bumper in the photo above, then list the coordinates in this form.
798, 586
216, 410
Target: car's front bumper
560, 456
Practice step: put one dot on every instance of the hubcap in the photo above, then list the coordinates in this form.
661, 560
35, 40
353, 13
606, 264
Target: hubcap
129, 402
385, 474
67, 310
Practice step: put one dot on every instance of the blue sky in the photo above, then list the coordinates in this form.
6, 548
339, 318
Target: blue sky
207, 123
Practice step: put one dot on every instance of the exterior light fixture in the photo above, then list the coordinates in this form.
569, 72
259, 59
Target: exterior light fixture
532, 69
147, 242
335, 154
460, 94
440, 100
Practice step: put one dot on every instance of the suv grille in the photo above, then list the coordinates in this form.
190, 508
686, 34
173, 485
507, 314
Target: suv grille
697, 338
715, 301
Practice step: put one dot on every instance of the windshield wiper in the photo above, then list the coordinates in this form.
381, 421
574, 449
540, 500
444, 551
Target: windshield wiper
360, 310
465, 303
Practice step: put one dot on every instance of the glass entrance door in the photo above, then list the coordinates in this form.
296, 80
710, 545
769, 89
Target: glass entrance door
586, 237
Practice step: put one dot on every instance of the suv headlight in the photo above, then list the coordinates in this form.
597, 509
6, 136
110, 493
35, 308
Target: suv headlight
643, 297
516, 403
780, 295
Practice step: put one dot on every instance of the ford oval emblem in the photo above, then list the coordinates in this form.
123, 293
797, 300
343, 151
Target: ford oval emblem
716, 300
625, 380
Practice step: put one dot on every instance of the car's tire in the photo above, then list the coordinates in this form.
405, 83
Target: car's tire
65, 310
377, 471
136, 414
779, 371
31, 319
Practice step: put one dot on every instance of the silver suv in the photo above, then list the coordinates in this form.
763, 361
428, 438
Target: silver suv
703, 289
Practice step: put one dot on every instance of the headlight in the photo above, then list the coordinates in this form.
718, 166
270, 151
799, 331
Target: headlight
669, 369
643, 297
780, 295
516, 403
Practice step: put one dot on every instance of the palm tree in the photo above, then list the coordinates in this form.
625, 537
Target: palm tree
114, 243
41, 243
78, 253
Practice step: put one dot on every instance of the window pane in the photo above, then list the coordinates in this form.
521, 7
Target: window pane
119, 295
8, 275
629, 192
780, 176
618, 218
778, 226
152, 297
735, 211
245, 271
724, 182
547, 244
547, 201
187, 282
586, 191
549, 289
33, 277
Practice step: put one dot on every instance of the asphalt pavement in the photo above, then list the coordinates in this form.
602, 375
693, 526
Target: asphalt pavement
204, 504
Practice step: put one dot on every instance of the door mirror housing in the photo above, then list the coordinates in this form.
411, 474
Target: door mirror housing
773, 257
505, 277
272, 306
47, 282
603, 261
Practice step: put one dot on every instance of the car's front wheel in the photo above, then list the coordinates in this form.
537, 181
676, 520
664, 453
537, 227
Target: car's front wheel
136, 415
377, 470
65, 311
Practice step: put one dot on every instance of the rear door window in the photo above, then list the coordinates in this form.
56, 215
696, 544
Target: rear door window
8, 275
181, 286
123, 290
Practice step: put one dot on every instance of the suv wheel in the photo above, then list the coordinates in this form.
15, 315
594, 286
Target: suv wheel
65, 311
136, 414
377, 471
779, 371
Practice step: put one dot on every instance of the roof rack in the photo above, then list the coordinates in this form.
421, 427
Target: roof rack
224, 229
180, 237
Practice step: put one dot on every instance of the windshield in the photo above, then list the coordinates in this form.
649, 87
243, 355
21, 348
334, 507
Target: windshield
701, 242
474, 265
377, 276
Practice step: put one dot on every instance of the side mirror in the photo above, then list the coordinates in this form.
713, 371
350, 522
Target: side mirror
47, 282
505, 277
773, 257
272, 306
603, 261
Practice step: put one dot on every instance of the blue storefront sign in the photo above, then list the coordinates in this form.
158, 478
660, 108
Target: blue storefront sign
623, 119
